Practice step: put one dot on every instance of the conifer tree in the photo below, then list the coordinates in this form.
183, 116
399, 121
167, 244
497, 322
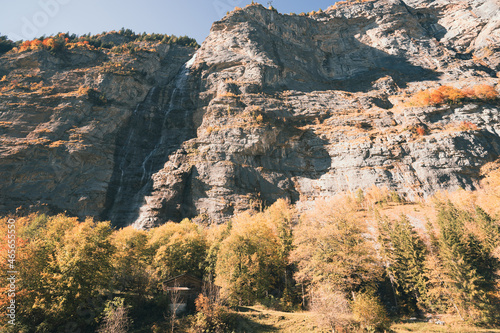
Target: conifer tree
468, 266
405, 255
490, 229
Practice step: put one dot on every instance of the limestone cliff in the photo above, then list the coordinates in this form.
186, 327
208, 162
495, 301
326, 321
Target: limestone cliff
64, 117
271, 106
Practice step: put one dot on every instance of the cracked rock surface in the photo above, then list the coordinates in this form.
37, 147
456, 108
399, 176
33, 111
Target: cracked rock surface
272, 106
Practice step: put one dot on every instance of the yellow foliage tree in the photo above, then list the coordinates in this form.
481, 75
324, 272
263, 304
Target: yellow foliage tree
178, 248
131, 261
253, 257
331, 249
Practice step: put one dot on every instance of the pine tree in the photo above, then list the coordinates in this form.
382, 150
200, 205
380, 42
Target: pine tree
490, 229
5, 44
405, 255
469, 268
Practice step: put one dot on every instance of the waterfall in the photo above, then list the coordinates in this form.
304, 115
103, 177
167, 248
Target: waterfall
157, 128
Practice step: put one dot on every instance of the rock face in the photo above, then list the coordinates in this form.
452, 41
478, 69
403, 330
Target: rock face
63, 119
272, 106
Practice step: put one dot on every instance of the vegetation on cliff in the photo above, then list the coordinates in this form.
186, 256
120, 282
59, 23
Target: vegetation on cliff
124, 40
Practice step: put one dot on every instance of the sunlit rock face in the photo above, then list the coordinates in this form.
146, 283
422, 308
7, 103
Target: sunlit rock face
271, 106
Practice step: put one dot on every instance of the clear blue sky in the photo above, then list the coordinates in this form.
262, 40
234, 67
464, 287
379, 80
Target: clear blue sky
26, 19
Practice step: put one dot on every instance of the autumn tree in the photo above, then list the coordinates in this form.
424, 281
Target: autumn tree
333, 307
64, 270
331, 248
215, 235
81, 271
132, 261
178, 248
251, 259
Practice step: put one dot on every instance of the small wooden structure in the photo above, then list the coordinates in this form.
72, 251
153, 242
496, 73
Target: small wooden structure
183, 291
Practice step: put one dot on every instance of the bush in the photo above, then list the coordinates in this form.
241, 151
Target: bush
467, 126
420, 130
96, 97
333, 308
447, 94
443, 94
485, 92
211, 316
370, 313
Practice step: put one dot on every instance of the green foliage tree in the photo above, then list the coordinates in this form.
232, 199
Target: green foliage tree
469, 268
404, 252
115, 317
489, 230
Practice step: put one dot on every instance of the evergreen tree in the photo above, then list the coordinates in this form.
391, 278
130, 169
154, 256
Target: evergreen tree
405, 255
469, 268
490, 229
5, 44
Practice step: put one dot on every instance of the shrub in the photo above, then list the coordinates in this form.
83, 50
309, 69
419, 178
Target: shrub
370, 313
211, 316
420, 130
333, 308
485, 92
96, 97
443, 94
467, 126
447, 94
51, 44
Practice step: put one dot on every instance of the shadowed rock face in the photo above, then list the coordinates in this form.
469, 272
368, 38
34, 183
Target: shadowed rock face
157, 127
60, 143
274, 106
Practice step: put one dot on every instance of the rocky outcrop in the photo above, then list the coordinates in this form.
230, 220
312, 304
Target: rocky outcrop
272, 106
62, 119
